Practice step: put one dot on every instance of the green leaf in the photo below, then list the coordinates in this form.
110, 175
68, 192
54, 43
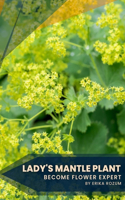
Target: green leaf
71, 94
107, 104
106, 117
110, 74
88, 49
92, 142
89, 23
121, 121
45, 197
90, 109
66, 102
110, 150
82, 121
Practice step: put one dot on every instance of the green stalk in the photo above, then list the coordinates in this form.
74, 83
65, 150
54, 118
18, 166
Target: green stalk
37, 114
66, 97
77, 63
96, 69
14, 119
54, 117
73, 44
70, 133
23, 128
13, 106
60, 124
37, 127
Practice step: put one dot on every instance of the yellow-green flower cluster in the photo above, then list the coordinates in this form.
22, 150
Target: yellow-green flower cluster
43, 143
95, 196
73, 109
33, 10
10, 151
36, 52
118, 144
11, 11
25, 45
114, 50
36, 85
32, 79
96, 93
9, 140
54, 42
58, 30
79, 25
7, 191
57, 45
112, 16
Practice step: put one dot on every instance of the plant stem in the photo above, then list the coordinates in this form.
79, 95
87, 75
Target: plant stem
3, 74
60, 124
51, 134
66, 97
96, 69
13, 106
28, 119
54, 117
43, 151
73, 44
37, 127
5, 101
70, 133
77, 63
37, 114
23, 128
14, 119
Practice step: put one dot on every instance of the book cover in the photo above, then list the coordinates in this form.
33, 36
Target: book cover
62, 99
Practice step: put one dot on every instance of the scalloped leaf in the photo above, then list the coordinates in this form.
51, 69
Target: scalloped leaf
107, 104
82, 121
92, 142
110, 74
71, 94
121, 121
